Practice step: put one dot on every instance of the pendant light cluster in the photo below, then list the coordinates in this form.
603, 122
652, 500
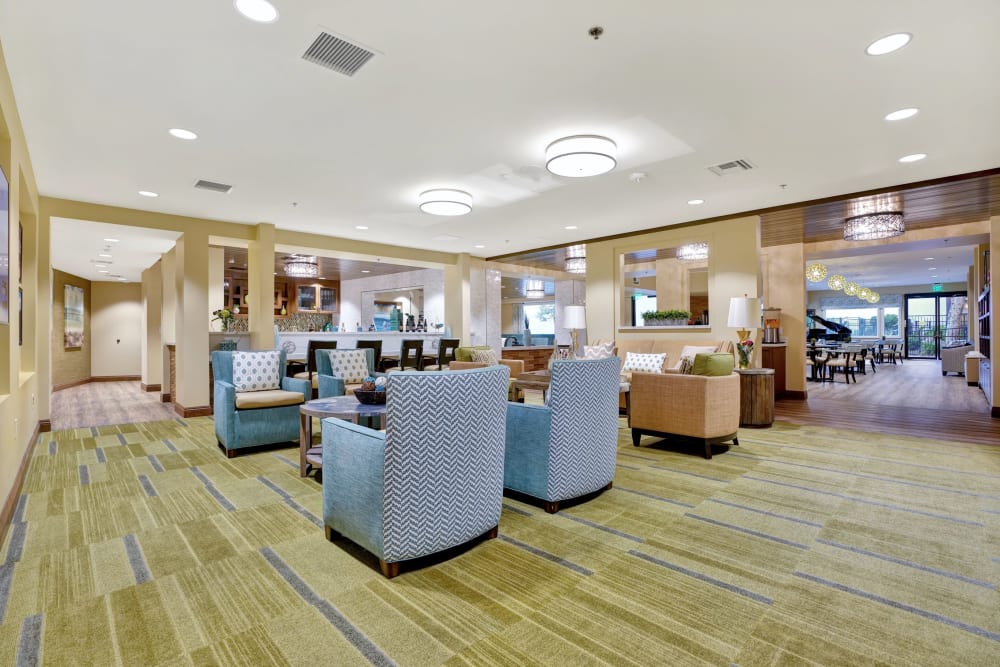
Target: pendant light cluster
816, 272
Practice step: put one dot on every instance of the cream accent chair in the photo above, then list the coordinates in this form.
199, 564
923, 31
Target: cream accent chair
953, 359
696, 406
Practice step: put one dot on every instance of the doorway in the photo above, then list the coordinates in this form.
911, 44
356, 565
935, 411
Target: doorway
934, 320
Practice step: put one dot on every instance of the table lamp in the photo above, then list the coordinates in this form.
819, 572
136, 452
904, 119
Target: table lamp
575, 319
744, 314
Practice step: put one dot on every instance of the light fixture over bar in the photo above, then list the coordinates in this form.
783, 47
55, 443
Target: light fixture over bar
692, 252
298, 266
576, 259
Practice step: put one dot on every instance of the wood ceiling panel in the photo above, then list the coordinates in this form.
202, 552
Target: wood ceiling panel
330, 268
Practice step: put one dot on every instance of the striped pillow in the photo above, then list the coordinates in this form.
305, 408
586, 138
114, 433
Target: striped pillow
599, 351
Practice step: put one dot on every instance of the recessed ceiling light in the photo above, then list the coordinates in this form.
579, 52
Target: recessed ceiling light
913, 158
932, 268
361, 227
696, 202
104, 271
124, 280
104, 254
571, 227
365, 271
147, 193
100, 266
186, 135
260, 11
111, 240
909, 112
929, 258
888, 44
933, 276
480, 245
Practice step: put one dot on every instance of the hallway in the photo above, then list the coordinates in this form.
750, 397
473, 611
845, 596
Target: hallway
103, 403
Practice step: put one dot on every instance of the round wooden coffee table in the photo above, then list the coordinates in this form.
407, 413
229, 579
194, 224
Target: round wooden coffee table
341, 407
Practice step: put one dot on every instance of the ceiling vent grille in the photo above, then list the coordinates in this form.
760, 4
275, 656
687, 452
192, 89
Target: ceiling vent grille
337, 54
202, 184
732, 167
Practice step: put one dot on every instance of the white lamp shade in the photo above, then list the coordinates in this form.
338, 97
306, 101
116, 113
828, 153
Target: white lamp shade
575, 317
744, 312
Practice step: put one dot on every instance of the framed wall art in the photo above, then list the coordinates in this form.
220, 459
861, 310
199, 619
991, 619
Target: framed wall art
72, 317
4, 249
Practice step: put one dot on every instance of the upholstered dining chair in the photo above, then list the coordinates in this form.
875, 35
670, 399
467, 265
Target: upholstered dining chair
341, 371
446, 354
433, 479
254, 402
567, 448
311, 373
375, 345
411, 356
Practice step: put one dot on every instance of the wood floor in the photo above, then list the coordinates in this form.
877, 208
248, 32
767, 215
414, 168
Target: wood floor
911, 398
101, 403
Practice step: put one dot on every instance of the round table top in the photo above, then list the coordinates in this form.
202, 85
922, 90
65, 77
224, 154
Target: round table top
343, 407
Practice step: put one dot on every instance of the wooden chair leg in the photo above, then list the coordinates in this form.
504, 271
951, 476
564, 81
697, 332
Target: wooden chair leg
551, 507
493, 533
331, 534
736, 442
389, 570
708, 449
636, 437
608, 487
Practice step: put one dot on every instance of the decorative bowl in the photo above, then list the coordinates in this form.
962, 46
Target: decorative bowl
370, 397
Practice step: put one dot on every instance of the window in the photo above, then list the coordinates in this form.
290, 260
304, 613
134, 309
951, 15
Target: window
642, 303
890, 321
540, 317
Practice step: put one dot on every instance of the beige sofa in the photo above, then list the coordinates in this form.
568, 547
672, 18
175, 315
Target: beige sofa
695, 406
672, 348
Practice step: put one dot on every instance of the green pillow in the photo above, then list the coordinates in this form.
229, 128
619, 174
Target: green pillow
465, 353
713, 364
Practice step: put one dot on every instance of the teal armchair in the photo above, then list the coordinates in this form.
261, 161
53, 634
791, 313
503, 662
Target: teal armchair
331, 384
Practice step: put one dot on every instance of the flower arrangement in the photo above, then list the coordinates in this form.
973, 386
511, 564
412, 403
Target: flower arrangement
745, 350
224, 315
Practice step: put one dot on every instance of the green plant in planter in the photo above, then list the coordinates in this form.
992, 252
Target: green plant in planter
677, 316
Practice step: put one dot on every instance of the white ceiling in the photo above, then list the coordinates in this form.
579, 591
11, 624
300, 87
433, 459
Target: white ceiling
77, 247
906, 265
467, 95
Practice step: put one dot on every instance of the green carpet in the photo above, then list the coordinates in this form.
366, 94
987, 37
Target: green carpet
142, 544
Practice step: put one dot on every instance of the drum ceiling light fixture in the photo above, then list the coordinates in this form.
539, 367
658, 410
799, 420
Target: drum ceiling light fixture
576, 259
581, 155
873, 218
445, 201
299, 266
534, 289
692, 252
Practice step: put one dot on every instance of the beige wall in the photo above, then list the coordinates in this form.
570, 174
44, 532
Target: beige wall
74, 364
116, 326
782, 274
734, 247
152, 312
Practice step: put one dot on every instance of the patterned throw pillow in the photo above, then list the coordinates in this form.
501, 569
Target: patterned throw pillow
688, 352
351, 366
599, 351
646, 363
485, 357
257, 371
686, 365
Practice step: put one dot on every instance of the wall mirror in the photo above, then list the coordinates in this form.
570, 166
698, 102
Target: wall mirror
664, 281
384, 309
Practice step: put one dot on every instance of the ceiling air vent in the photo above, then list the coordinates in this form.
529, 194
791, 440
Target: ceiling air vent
202, 184
733, 167
337, 54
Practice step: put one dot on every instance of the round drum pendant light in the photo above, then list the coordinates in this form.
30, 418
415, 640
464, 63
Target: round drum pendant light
445, 202
836, 282
815, 273
581, 155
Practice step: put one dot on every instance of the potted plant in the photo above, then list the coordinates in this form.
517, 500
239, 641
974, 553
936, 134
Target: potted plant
677, 317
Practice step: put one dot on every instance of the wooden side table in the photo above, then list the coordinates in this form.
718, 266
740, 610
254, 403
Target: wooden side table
756, 397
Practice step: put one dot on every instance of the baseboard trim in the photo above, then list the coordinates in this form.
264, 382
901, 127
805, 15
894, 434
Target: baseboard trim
995, 412
794, 395
7, 514
149, 387
74, 383
115, 378
199, 411
99, 378
165, 398
45, 425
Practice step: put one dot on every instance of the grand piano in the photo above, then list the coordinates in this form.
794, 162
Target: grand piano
831, 331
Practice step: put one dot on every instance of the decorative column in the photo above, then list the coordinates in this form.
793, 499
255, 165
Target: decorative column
260, 283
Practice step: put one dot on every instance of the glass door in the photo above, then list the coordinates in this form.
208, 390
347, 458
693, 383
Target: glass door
933, 321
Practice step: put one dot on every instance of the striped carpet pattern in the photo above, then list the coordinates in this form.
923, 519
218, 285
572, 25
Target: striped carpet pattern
141, 544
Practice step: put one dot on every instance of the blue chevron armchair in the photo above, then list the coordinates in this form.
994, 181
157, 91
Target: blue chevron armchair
248, 419
433, 479
567, 448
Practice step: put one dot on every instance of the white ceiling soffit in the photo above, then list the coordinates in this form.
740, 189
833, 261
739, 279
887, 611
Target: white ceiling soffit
77, 246
461, 93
